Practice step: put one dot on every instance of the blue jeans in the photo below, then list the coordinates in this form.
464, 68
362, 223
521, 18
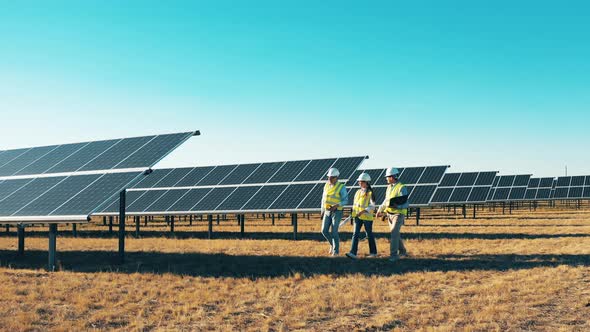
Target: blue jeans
332, 220
358, 224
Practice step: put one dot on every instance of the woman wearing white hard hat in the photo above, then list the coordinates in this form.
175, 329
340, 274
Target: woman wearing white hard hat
334, 198
362, 212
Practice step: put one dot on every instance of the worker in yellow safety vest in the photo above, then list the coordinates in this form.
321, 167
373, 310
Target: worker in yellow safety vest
363, 210
396, 206
334, 198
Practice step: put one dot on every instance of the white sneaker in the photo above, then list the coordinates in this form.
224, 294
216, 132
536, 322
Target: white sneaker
351, 255
372, 255
335, 254
331, 251
403, 254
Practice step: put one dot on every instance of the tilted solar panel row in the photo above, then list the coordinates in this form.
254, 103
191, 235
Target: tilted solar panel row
137, 152
274, 172
408, 175
509, 188
572, 187
463, 188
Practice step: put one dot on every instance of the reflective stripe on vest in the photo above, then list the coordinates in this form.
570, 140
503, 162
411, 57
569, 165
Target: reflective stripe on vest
362, 199
332, 195
392, 192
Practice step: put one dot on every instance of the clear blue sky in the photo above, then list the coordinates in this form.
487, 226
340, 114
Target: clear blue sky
479, 85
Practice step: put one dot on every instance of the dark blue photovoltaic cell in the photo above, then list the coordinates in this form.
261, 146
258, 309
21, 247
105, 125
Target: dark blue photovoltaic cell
165, 201
531, 193
467, 179
576, 192
117, 153
240, 174
501, 194
561, 192
238, 198
577, 181
213, 199
195, 176
478, 194
496, 180
442, 195
217, 175
25, 160
546, 183
506, 181
81, 157
292, 197
190, 199
154, 151
544, 193
314, 199
265, 197
316, 170
289, 171
534, 183
433, 174
521, 181
11, 155
150, 180
145, 200
130, 198
22, 197
587, 183
450, 180
264, 173
517, 193
97, 193
460, 194
172, 178
586, 192
485, 178
58, 195
421, 195
10, 186
347, 166
564, 181
49, 160
491, 194
411, 175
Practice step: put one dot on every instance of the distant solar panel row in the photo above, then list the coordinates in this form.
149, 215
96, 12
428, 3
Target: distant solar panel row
572, 187
462, 188
274, 172
539, 189
134, 152
508, 188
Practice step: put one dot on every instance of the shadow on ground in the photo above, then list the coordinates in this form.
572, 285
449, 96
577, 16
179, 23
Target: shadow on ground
264, 266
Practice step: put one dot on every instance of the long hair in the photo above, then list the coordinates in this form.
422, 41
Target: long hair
370, 189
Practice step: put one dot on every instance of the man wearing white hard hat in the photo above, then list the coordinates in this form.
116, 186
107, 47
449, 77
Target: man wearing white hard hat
363, 210
396, 206
334, 198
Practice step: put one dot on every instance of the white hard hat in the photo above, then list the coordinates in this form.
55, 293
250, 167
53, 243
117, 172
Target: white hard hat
364, 177
392, 171
333, 172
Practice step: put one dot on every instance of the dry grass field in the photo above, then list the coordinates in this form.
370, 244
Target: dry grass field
520, 272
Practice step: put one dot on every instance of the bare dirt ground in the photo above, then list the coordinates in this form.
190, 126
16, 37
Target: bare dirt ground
520, 272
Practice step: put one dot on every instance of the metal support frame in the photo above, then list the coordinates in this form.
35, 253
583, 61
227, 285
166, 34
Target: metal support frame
418, 217
111, 224
273, 219
474, 211
52, 261
122, 198
172, 219
104, 220
242, 222
137, 221
217, 219
21, 239
294, 222
464, 208
210, 220
190, 220
74, 230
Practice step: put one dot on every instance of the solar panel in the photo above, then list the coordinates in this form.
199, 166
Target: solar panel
463, 188
316, 170
165, 201
172, 178
264, 173
239, 174
264, 198
347, 166
539, 189
189, 199
571, 187
40, 195
289, 171
510, 188
238, 198
292, 196
193, 177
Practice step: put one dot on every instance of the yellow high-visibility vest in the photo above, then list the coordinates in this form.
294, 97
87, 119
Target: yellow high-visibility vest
332, 195
362, 199
393, 191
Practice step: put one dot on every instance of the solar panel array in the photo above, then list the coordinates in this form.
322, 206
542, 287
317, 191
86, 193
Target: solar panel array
68, 182
289, 186
539, 189
509, 188
421, 183
463, 188
572, 187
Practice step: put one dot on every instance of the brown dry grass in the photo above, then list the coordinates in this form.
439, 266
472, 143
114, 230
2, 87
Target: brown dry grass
527, 271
